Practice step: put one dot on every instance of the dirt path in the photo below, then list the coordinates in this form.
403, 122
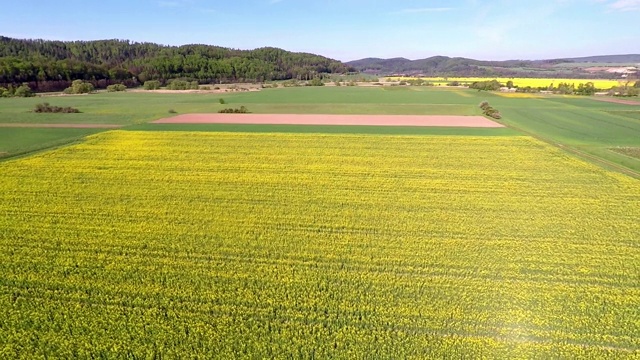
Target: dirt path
76, 126
616, 101
317, 119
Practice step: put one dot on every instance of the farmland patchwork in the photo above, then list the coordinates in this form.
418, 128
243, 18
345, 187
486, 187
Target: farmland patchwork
227, 245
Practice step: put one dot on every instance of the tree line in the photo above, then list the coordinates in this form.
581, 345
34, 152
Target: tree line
588, 88
52, 65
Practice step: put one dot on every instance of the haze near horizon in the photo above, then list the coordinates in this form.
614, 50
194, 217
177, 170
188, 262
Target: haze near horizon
350, 29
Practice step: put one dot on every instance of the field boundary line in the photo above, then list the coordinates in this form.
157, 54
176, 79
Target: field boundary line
63, 126
466, 121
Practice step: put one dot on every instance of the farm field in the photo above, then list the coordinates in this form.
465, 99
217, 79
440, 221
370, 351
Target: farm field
342, 120
17, 141
137, 109
591, 127
227, 245
520, 82
595, 128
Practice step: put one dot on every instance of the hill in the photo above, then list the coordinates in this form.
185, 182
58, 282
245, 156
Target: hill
611, 59
457, 66
52, 65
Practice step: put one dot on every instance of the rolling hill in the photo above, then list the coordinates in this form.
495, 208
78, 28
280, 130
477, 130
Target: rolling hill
457, 66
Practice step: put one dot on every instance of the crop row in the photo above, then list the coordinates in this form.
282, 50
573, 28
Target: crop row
223, 245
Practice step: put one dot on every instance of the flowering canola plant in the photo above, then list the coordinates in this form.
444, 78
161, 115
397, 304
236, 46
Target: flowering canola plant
237, 245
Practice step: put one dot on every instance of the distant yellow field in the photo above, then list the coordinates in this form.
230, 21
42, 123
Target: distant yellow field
521, 82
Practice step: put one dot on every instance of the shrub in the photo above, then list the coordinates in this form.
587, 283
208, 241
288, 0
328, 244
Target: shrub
116, 87
241, 110
291, 83
315, 82
221, 101
206, 87
178, 85
23, 91
79, 87
527, 89
7, 92
489, 111
488, 85
46, 108
171, 111
152, 85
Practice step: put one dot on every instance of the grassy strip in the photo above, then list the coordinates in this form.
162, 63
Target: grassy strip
22, 141
594, 154
629, 151
329, 129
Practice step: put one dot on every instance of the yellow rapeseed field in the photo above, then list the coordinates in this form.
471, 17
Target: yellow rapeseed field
237, 245
521, 82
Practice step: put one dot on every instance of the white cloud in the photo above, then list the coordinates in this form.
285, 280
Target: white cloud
623, 5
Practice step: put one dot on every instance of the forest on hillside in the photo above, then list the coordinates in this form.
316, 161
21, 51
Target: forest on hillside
571, 68
52, 65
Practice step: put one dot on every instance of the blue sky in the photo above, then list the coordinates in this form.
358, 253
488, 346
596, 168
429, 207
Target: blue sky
345, 29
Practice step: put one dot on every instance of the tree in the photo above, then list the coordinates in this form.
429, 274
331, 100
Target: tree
51, 65
565, 88
492, 85
510, 84
586, 89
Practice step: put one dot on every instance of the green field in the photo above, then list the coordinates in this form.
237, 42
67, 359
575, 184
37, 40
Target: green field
591, 128
133, 108
17, 141
151, 244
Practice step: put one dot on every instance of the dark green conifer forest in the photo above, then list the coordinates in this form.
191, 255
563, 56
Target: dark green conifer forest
52, 65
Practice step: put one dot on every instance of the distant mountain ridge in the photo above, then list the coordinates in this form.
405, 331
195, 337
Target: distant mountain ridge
613, 59
458, 66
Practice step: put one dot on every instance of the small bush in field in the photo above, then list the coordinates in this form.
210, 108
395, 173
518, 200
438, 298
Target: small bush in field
116, 87
241, 110
46, 108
